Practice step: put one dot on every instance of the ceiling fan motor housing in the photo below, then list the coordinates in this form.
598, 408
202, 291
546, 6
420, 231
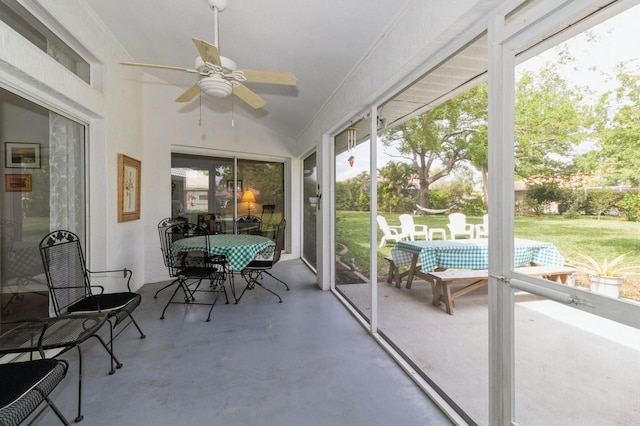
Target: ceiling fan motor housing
215, 85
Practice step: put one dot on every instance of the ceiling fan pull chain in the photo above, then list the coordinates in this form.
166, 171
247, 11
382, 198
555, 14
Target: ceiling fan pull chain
200, 120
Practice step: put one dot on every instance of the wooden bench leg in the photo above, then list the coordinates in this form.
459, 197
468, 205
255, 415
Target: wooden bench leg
448, 300
412, 269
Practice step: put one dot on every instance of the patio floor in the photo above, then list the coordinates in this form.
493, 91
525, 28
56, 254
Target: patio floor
302, 362
571, 367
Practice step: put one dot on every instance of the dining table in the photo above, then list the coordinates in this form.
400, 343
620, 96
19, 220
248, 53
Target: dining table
425, 256
238, 249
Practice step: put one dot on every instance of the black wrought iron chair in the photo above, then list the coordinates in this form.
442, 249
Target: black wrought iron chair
248, 225
162, 227
25, 385
191, 262
71, 290
253, 272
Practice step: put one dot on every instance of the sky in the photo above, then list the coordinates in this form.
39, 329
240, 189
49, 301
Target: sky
618, 40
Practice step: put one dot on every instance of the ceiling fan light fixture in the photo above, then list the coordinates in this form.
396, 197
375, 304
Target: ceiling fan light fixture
215, 86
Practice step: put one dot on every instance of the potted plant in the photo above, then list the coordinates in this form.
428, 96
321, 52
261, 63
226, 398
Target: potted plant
606, 277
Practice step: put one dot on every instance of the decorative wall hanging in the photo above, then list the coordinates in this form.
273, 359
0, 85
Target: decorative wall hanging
129, 181
17, 183
22, 155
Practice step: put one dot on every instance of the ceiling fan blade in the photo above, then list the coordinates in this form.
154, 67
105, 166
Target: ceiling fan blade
208, 52
272, 77
244, 93
165, 67
189, 94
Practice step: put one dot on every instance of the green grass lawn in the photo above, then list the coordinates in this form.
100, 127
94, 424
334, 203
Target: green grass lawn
605, 238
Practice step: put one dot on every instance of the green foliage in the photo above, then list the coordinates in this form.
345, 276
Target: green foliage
619, 128
549, 121
572, 212
605, 267
630, 206
540, 195
600, 201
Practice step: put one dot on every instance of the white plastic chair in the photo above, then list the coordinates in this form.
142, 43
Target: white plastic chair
482, 229
389, 233
411, 229
458, 225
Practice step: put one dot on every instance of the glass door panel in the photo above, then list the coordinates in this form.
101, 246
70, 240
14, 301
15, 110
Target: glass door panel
310, 204
579, 193
352, 224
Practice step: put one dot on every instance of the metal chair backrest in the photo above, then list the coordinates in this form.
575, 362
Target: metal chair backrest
177, 262
279, 241
249, 225
65, 268
162, 227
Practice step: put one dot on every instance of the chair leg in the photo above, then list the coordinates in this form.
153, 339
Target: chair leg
79, 417
277, 279
155, 296
142, 335
251, 277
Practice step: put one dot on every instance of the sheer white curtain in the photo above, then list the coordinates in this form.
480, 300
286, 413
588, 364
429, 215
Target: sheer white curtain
66, 175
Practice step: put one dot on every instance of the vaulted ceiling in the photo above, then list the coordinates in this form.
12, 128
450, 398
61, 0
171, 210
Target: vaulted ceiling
319, 41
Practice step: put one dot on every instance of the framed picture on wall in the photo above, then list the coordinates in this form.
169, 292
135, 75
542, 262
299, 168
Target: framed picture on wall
129, 179
17, 183
22, 155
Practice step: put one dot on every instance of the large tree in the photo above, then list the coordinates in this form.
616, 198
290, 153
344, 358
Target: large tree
620, 129
438, 140
550, 118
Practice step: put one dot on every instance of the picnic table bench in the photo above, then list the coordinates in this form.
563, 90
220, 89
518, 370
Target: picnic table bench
474, 279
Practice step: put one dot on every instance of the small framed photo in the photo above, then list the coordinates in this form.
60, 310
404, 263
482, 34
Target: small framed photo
22, 155
17, 183
129, 180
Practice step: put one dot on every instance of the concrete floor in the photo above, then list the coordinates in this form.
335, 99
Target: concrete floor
302, 362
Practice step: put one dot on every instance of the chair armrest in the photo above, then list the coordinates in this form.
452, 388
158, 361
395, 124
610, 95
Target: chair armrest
421, 228
124, 272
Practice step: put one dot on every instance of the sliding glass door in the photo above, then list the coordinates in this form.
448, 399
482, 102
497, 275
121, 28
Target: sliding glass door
310, 203
43, 163
227, 188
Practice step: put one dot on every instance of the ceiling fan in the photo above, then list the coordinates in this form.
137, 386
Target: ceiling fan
220, 75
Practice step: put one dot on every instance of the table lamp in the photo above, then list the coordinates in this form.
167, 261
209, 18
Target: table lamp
248, 197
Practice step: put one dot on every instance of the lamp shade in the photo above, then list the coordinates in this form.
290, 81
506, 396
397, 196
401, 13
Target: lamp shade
247, 196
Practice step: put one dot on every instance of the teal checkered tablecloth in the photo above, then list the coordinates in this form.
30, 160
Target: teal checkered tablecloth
471, 254
239, 249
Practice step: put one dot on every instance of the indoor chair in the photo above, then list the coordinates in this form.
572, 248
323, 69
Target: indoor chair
193, 263
248, 225
252, 273
70, 288
25, 385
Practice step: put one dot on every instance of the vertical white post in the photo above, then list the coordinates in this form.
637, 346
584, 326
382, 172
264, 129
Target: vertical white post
373, 232
501, 202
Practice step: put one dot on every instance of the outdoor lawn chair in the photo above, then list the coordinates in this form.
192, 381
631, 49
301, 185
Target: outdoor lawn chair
482, 229
25, 385
71, 291
254, 271
390, 233
249, 225
410, 228
193, 265
458, 225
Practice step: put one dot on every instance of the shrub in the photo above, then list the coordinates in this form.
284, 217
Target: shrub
630, 206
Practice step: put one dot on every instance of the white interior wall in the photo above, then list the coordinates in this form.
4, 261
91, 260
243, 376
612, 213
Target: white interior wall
173, 127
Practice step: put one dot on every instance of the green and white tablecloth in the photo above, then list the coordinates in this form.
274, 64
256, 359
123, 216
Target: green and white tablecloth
471, 254
239, 249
